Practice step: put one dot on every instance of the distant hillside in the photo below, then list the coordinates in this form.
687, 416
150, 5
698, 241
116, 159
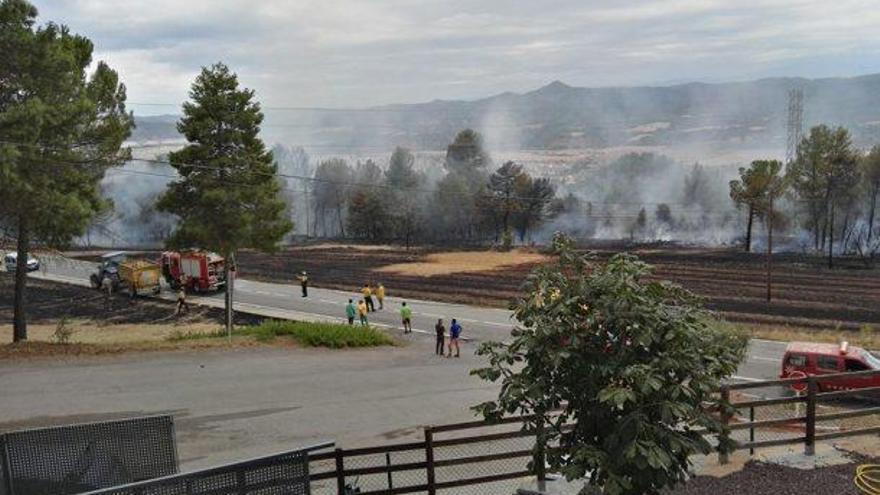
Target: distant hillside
561, 116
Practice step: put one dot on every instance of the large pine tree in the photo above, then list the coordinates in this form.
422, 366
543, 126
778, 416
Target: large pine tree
228, 196
61, 128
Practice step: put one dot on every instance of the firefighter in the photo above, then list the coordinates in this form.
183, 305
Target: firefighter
182, 306
350, 312
362, 311
107, 288
304, 283
380, 295
368, 297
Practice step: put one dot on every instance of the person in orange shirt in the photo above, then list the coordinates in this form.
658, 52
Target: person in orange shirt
380, 295
368, 297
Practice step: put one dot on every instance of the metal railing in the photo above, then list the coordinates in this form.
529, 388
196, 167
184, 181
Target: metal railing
825, 410
286, 473
71, 459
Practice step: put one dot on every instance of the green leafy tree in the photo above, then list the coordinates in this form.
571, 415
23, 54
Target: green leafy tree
824, 175
368, 215
614, 368
502, 201
466, 154
535, 201
61, 129
404, 182
871, 174
228, 196
754, 190
332, 184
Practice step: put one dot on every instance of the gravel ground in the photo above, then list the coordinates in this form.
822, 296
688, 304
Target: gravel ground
759, 478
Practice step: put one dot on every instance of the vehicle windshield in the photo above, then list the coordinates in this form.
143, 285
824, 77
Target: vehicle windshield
872, 360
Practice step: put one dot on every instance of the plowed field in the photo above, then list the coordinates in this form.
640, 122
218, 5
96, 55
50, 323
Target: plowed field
805, 293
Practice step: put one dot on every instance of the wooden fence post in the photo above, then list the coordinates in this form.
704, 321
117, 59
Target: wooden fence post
340, 472
540, 460
725, 421
810, 440
429, 460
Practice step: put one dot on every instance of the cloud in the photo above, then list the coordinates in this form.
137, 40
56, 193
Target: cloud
344, 53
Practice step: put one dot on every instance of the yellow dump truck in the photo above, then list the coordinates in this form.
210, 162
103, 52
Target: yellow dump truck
140, 276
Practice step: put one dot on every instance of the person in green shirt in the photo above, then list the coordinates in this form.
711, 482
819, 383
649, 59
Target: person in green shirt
406, 316
350, 312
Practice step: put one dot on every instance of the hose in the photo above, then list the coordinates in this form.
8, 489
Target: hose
867, 478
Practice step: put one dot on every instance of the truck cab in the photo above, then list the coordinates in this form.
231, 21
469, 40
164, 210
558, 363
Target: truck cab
109, 268
815, 359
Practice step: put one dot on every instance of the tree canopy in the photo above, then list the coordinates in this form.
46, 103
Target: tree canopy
616, 368
61, 129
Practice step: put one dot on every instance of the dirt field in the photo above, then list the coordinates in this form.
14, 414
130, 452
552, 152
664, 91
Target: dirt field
806, 294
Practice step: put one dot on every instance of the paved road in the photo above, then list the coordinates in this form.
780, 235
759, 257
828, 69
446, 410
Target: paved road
480, 324
231, 404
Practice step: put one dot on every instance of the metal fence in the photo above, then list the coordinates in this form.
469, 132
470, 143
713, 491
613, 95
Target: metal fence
286, 473
76, 458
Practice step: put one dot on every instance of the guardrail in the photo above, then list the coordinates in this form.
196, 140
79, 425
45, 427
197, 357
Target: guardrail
797, 419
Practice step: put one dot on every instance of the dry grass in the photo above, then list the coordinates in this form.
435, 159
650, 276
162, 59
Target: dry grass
867, 338
88, 332
464, 262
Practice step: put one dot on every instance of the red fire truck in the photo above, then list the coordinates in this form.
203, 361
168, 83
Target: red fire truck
814, 359
202, 271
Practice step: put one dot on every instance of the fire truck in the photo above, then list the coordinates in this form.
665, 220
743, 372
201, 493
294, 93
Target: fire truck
200, 271
814, 359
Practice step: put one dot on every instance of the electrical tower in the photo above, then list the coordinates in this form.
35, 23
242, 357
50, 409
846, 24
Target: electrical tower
795, 123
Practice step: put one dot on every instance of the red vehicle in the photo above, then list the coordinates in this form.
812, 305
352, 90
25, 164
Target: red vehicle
202, 271
825, 359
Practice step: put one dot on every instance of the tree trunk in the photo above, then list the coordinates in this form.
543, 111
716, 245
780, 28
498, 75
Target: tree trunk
231, 270
872, 212
749, 229
830, 225
19, 319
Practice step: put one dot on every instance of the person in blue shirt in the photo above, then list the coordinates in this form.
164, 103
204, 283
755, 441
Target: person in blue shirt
454, 334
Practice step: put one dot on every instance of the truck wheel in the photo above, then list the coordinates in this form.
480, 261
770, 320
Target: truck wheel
93, 279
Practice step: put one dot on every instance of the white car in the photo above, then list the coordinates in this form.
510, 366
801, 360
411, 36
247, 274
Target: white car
11, 260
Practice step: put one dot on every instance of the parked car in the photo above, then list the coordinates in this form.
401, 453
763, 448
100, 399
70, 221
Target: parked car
11, 261
815, 359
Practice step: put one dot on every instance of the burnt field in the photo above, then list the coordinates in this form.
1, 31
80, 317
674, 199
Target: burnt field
805, 293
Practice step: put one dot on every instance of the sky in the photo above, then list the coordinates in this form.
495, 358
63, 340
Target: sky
361, 53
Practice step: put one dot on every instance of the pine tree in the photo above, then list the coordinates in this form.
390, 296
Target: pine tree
228, 196
60, 130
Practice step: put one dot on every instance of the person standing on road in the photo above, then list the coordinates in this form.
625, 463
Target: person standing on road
454, 335
350, 312
182, 306
107, 288
368, 297
405, 315
440, 330
380, 295
304, 283
362, 311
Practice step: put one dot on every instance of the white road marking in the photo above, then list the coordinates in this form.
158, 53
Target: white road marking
504, 325
762, 358
747, 379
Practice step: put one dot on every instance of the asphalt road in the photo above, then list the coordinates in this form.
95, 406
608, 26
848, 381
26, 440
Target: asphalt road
480, 324
237, 403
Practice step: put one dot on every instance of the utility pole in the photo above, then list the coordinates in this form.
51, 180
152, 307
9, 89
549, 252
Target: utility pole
230, 284
770, 251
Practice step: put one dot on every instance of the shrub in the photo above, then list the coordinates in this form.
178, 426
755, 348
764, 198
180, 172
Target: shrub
62, 332
332, 335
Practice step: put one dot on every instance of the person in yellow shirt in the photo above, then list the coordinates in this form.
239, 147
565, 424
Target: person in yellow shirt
368, 297
380, 295
362, 312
